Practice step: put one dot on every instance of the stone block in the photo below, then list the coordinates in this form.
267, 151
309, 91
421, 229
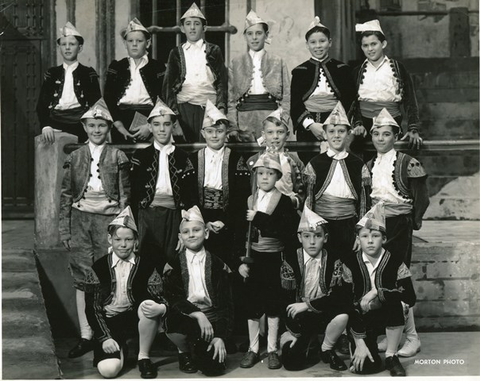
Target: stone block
445, 289
458, 95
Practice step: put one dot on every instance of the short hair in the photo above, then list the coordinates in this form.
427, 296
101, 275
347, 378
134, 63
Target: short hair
358, 228
264, 25
275, 121
78, 38
110, 124
204, 22
369, 33
112, 229
317, 29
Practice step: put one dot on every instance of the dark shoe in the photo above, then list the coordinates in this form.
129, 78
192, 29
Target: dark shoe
343, 345
147, 369
186, 364
330, 357
396, 369
274, 361
249, 360
82, 347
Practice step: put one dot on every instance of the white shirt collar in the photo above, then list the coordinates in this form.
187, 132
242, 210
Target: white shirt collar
337, 156
387, 155
307, 257
214, 152
169, 148
366, 260
143, 62
197, 44
316, 59
94, 148
116, 259
191, 255
72, 66
253, 53
385, 59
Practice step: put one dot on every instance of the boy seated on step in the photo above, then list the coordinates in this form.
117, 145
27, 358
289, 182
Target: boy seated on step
123, 293
321, 303
197, 288
381, 282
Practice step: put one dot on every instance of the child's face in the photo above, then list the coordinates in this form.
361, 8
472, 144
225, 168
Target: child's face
161, 127
373, 48
266, 178
318, 45
215, 136
275, 136
123, 242
255, 37
193, 29
371, 241
97, 130
336, 136
136, 44
383, 138
193, 234
312, 242
69, 48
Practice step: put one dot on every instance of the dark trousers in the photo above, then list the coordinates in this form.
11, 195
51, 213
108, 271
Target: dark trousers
191, 121
400, 236
341, 237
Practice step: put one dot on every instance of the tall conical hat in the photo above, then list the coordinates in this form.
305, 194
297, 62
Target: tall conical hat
160, 109
134, 26
98, 110
212, 115
192, 214
193, 11
69, 30
384, 118
337, 116
269, 159
125, 219
310, 221
374, 219
316, 22
279, 115
253, 19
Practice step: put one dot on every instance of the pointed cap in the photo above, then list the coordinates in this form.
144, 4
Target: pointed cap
125, 219
193, 11
212, 115
384, 118
279, 115
269, 159
337, 116
316, 22
69, 30
310, 221
98, 111
134, 26
160, 109
253, 19
369, 26
374, 219
192, 214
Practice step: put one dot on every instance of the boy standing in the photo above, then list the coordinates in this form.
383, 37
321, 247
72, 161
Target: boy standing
133, 84
198, 291
336, 182
223, 185
381, 283
400, 182
381, 82
321, 301
163, 183
68, 91
259, 82
95, 187
123, 292
195, 73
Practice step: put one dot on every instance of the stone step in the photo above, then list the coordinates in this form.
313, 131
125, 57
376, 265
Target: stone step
24, 322
29, 358
18, 261
22, 283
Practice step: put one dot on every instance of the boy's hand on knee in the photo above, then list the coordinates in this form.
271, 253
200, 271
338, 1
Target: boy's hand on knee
219, 349
206, 329
110, 346
66, 244
286, 337
152, 309
296, 308
361, 353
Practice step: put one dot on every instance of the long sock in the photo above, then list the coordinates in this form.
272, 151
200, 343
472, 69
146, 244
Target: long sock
273, 323
334, 331
180, 341
86, 331
410, 328
253, 332
147, 330
394, 335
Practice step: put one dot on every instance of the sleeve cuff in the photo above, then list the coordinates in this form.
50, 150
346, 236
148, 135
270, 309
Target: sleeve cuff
307, 122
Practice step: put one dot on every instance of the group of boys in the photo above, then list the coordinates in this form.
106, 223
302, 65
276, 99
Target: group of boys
197, 214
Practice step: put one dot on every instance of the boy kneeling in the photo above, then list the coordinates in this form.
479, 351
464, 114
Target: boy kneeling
320, 301
381, 282
123, 292
198, 290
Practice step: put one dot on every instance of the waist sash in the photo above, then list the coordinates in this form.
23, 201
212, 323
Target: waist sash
335, 208
321, 103
267, 244
253, 102
213, 198
70, 116
372, 109
392, 210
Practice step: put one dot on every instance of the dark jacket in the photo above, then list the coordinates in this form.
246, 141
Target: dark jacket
305, 80
410, 180
114, 172
176, 279
85, 86
144, 282
118, 80
177, 69
181, 172
406, 88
